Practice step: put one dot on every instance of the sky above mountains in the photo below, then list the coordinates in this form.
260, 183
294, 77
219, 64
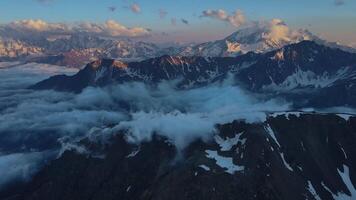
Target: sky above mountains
184, 20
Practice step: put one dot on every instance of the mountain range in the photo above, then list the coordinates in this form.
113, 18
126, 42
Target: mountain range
130, 145
306, 73
77, 49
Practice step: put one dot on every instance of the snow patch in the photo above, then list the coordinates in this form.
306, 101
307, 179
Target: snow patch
345, 175
345, 116
285, 163
100, 74
228, 143
224, 162
206, 168
343, 151
133, 153
286, 114
271, 133
302, 78
312, 191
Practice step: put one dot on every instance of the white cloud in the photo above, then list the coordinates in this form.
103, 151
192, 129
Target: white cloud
278, 31
236, 19
179, 115
116, 29
19, 166
38, 25
109, 28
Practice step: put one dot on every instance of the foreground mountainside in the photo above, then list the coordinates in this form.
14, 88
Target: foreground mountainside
306, 73
293, 156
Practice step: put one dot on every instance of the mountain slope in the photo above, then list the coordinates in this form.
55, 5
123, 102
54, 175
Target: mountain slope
259, 38
313, 160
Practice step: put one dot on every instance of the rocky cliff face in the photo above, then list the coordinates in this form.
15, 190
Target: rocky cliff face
289, 156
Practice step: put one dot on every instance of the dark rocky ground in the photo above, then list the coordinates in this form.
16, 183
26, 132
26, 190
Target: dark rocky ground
287, 157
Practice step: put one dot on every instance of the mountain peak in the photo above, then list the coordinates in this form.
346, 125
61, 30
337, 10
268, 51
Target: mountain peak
258, 37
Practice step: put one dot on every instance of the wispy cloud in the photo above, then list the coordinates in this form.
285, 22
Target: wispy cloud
135, 8
174, 21
182, 116
162, 13
339, 2
112, 8
116, 29
184, 21
109, 28
236, 19
37, 25
44, 1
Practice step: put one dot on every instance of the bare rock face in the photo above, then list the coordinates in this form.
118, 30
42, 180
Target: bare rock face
290, 156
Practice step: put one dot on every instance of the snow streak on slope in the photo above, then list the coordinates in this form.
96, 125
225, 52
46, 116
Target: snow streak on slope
307, 78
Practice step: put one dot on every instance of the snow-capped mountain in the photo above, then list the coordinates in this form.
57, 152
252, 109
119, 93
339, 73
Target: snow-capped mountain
292, 71
15, 49
259, 37
75, 50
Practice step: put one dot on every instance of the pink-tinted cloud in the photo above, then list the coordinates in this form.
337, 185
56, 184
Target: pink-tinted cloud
236, 19
109, 28
135, 8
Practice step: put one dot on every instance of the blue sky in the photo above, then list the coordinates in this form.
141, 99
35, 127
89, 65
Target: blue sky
320, 16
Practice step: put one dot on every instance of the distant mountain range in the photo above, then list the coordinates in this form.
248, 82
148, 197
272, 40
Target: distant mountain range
75, 50
307, 73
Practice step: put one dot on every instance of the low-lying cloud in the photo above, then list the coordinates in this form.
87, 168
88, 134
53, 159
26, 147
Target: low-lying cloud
137, 109
19, 167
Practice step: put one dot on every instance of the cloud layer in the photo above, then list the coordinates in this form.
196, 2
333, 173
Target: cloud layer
20, 167
109, 28
26, 111
30, 119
